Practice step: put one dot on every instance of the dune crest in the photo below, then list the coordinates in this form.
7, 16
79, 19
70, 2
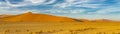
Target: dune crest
32, 17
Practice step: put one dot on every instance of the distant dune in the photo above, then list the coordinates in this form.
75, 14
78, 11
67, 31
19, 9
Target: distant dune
104, 20
32, 17
5, 15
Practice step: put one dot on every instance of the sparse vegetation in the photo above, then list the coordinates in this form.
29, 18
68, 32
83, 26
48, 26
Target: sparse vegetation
60, 28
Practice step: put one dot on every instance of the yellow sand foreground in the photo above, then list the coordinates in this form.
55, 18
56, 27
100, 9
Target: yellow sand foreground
59, 28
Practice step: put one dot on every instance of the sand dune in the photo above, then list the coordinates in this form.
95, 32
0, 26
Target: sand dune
104, 20
31, 17
5, 15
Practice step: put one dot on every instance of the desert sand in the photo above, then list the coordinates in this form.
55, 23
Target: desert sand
32, 17
30, 23
59, 28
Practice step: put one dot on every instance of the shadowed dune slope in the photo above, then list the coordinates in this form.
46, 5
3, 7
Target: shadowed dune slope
85, 20
30, 17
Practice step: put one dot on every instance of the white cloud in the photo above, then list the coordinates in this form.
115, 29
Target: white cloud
110, 9
70, 1
89, 5
62, 5
50, 2
79, 3
67, 3
59, 11
77, 11
40, 1
10, 12
0, 3
14, 5
30, 2
37, 1
3, 5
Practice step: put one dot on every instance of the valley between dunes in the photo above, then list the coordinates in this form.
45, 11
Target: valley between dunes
30, 23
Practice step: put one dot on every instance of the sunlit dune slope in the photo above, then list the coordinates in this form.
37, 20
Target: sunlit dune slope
32, 17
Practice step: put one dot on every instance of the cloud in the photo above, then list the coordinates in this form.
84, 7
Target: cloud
64, 4
10, 12
93, 4
80, 3
37, 1
15, 5
70, 1
4, 5
89, 5
110, 9
0, 3
50, 2
77, 11
60, 11
29, 2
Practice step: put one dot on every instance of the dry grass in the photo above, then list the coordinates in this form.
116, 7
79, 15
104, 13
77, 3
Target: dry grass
59, 28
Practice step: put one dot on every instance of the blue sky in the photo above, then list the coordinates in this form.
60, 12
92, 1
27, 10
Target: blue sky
89, 9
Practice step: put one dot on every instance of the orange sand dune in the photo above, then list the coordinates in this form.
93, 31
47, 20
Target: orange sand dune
30, 17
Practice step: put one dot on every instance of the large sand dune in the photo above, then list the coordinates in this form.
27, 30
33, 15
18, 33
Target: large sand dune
31, 17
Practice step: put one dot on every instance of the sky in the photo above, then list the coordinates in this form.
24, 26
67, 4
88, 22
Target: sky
85, 9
